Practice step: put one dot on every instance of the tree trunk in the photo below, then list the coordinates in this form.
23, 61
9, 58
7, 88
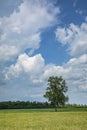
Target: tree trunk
55, 109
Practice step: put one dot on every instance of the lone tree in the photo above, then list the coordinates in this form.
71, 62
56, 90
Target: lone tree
55, 91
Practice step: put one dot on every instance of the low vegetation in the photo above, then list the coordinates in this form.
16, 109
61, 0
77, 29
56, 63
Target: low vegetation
43, 119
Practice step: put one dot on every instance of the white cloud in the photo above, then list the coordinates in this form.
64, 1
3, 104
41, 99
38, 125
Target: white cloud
19, 31
30, 74
7, 52
74, 71
83, 86
25, 64
75, 36
22, 28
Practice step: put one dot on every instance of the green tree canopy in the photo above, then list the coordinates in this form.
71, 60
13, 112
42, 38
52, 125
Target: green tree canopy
56, 90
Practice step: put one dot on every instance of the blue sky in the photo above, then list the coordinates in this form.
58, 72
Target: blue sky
38, 39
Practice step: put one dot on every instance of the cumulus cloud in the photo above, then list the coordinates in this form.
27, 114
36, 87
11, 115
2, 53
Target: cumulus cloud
25, 76
29, 76
22, 29
25, 64
76, 38
74, 70
7, 52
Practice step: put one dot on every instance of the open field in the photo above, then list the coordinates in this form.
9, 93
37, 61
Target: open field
45, 119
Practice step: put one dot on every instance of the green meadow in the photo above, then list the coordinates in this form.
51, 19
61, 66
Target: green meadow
43, 119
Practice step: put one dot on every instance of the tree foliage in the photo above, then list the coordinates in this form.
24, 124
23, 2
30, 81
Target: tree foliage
23, 105
56, 90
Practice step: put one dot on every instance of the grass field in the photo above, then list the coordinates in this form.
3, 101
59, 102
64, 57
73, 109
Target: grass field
43, 119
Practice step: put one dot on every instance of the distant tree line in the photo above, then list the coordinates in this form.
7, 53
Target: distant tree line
24, 105
31, 105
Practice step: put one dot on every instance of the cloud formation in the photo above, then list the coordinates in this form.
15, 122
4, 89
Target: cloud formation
37, 71
25, 64
22, 29
26, 73
76, 38
33, 73
75, 70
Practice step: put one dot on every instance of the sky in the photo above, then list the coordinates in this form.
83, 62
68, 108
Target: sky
39, 39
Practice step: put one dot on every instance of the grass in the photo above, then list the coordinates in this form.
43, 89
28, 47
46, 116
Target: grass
43, 119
